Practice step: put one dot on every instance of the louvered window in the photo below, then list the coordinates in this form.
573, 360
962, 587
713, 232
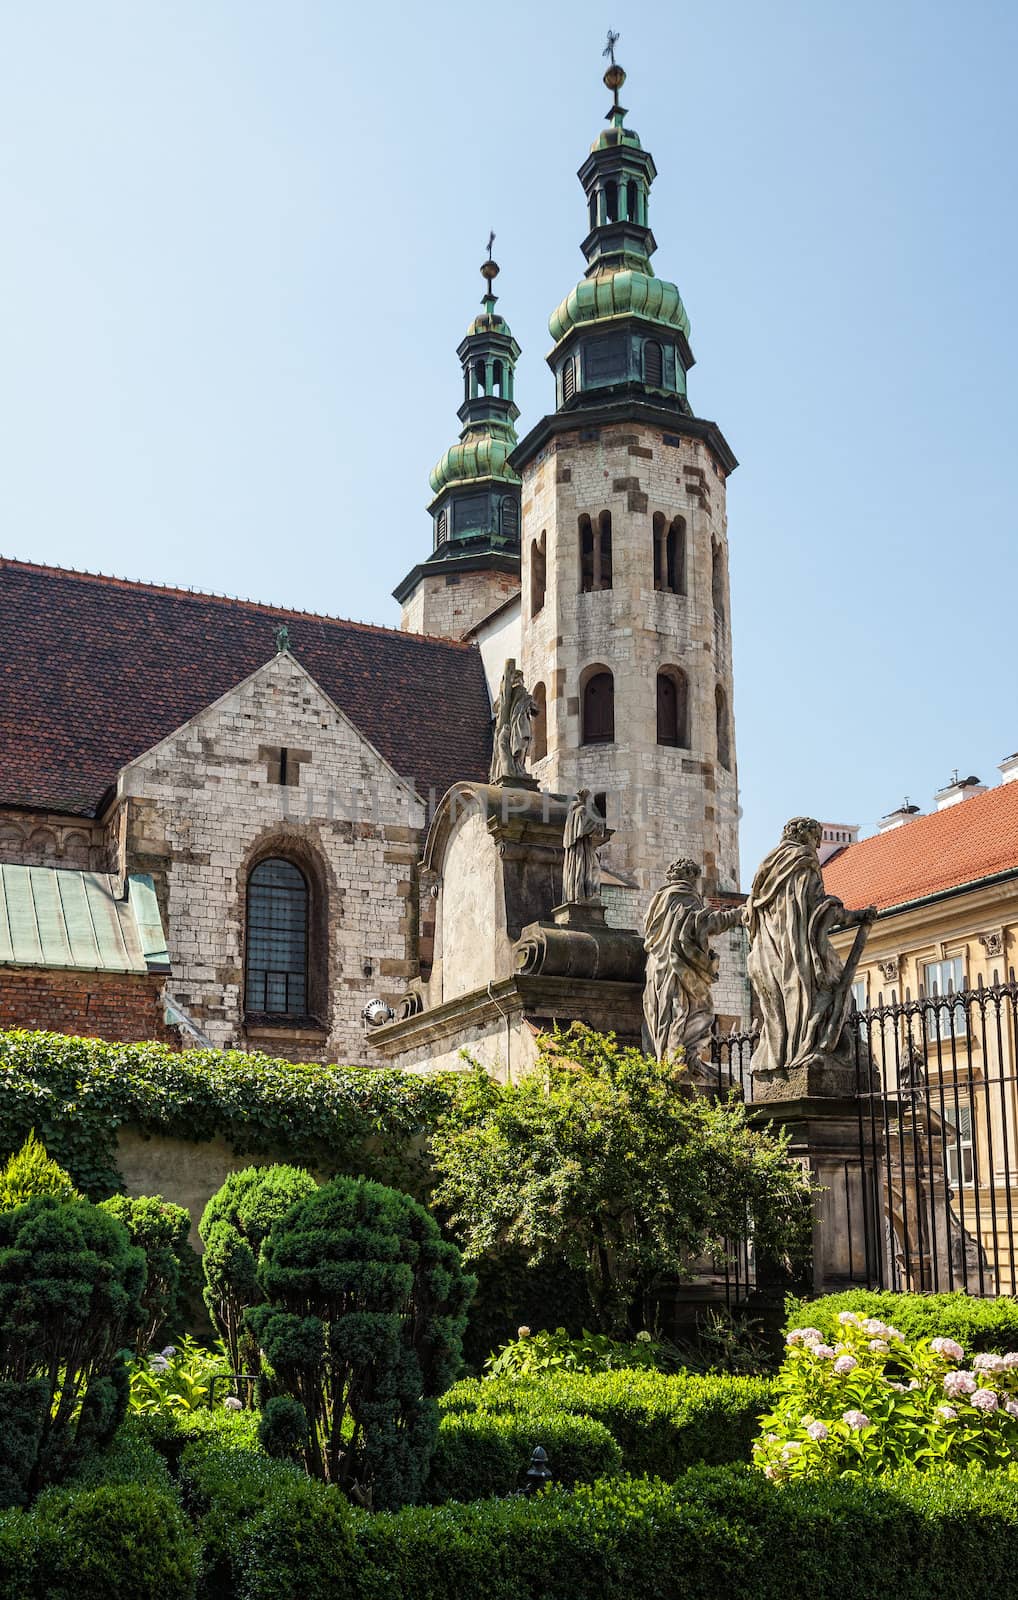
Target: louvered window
568, 381
652, 364
441, 528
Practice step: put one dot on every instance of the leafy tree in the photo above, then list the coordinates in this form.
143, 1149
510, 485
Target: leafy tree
602, 1159
233, 1227
30, 1171
160, 1229
70, 1293
365, 1306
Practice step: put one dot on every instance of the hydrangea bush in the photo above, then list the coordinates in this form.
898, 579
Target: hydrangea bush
875, 1401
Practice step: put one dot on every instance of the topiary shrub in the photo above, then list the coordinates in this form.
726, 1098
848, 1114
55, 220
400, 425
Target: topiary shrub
118, 1542
30, 1172
160, 1229
364, 1311
70, 1288
233, 1227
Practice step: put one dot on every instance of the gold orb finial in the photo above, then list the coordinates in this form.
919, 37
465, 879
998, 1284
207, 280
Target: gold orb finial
614, 77
490, 268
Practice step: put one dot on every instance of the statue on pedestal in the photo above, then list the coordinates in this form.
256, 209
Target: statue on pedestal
515, 710
678, 1008
803, 991
584, 834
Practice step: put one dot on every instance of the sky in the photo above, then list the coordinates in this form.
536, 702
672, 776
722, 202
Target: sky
240, 244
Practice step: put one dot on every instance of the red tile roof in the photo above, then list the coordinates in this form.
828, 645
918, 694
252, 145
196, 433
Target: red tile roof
96, 670
975, 839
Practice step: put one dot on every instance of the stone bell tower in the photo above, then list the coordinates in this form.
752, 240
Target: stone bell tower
626, 638
474, 565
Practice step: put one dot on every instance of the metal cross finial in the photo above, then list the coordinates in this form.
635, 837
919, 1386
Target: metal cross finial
491, 241
609, 49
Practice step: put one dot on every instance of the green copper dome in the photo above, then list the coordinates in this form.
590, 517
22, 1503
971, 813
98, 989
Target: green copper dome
618, 294
478, 456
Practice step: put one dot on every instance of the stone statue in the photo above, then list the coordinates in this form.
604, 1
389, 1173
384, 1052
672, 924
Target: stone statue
584, 834
681, 966
515, 710
803, 992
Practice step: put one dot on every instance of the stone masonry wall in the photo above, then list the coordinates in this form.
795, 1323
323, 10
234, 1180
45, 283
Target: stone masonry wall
39, 839
122, 1006
662, 801
449, 604
201, 810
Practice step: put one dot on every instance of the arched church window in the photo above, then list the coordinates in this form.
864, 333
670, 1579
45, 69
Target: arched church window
479, 383
673, 707
539, 724
605, 565
652, 364
592, 209
611, 199
717, 581
598, 707
496, 378
669, 553
277, 940
632, 203
569, 379
538, 572
724, 737
595, 552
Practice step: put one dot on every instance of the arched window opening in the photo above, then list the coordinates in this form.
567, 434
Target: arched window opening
277, 940
653, 365
586, 555
569, 380
510, 518
717, 582
673, 708
539, 724
604, 522
724, 738
660, 536
538, 572
496, 378
479, 383
466, 384
675, 556
632, 203
592, 209
441, 528
611, 200
598, 708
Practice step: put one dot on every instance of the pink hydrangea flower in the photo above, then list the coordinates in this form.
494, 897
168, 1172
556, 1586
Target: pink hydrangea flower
855, 1419
1011, 1407
879, 1347
844, 1365
947, 1347
820, 1430
984, 1400
986, 1362
957, 1383
1011, 1359
893, 1384
231, 1403
847, 1317
947, 1413
892, 1333
874, 1326
804, 1336
824, 1351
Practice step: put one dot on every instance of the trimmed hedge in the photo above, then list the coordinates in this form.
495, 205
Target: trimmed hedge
977, 1324
482, 1453
170, 1432
662, 1422
76, 1093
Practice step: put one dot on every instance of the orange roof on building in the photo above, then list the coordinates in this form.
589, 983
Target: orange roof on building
972, 840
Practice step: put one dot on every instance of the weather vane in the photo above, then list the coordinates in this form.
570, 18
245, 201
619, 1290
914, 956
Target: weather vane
491, 241
609, 49
614, 77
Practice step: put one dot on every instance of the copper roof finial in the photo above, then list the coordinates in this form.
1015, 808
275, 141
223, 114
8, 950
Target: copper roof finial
489, 268
614, 78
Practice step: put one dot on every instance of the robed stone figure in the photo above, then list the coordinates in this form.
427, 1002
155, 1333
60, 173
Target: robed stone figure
678, 1008
802, 989
584, 834
515, 710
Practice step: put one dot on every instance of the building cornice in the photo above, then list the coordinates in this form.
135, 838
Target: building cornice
627, 410
470, 561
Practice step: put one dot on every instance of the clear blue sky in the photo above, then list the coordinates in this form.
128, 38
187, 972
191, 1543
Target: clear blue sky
240, 244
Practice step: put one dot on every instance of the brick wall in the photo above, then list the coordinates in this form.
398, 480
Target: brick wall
124, 1007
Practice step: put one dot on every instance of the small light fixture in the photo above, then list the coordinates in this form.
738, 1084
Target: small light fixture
376, 1013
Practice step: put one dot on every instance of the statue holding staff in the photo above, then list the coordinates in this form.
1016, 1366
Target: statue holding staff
678, 1006
515, 710
584, 833
803, 991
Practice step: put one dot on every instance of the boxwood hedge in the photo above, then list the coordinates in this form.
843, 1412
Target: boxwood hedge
977, 1324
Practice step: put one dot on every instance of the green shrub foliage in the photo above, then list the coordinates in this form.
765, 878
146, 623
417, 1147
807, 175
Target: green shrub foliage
990, 1325
234, 1225
549, 1351
70, 1293
364, 1311
160, 1229
597, 1160
482, 1453
76, 1093
29, 1172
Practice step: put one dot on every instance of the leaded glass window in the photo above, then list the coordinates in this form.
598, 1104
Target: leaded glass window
277, 940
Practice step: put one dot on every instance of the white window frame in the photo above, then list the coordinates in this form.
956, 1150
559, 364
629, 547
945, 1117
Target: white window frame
959, 1142
940, 980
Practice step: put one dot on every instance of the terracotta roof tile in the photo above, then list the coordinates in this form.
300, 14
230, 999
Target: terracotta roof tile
96, 670
974, 839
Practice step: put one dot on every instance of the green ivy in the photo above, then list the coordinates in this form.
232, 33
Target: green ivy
77, 1093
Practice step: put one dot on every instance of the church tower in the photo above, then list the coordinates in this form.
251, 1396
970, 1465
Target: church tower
625, 613
475, 561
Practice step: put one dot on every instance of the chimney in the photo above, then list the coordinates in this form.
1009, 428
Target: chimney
898, 819
1008, 769
958, 789
836, 836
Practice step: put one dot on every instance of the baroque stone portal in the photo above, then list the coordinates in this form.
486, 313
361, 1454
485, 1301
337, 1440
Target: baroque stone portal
803, 992
681, 966
584, 834
515, 710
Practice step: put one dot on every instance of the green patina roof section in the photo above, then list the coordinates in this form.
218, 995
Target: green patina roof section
612, 138
483, 455
52, 917
619, 294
